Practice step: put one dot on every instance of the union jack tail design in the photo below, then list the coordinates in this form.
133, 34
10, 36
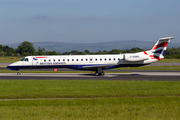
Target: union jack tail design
159, 48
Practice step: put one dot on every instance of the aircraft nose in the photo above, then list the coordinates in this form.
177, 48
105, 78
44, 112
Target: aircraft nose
13, 66
9, 66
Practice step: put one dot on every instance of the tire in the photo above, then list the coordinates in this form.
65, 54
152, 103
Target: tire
18, 73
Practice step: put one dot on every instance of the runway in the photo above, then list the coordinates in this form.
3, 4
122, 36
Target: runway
134, 75
150, 76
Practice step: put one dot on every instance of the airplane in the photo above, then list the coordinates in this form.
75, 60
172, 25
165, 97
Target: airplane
96, 63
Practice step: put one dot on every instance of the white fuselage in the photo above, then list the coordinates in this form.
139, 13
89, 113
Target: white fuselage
84, 62
95, 62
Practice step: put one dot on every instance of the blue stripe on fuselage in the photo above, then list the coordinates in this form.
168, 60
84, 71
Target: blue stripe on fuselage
78, 67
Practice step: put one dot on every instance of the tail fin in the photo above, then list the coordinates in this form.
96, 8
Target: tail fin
159, 48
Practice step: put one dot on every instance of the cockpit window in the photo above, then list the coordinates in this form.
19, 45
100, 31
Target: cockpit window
24, 59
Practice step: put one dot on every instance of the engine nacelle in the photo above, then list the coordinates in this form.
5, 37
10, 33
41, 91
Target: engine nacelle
135, 57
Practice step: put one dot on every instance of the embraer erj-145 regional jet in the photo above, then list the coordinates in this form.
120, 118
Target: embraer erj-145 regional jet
96, 63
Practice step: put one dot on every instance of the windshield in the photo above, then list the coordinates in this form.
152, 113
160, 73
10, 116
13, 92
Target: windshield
23, 59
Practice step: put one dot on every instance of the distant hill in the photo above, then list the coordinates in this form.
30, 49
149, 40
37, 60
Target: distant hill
93, 47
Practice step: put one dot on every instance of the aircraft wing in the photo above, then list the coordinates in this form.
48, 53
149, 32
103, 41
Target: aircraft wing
94, 67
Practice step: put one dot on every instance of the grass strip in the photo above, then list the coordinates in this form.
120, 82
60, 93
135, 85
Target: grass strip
169, 61
127, 100
12, 89
164, 108
9, 59
161, 68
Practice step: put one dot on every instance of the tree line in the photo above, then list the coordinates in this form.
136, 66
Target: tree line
26, 49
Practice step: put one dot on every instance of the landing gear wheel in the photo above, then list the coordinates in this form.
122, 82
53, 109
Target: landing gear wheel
101, 74
18, 73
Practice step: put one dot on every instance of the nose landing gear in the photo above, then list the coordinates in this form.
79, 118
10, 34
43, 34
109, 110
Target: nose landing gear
18, 73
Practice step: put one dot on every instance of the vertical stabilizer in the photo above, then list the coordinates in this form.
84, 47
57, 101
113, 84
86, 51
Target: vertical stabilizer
159, 48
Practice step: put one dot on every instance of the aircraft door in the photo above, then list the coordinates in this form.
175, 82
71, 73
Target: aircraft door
91, 60
34, 61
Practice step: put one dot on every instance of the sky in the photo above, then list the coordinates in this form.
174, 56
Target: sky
88, 21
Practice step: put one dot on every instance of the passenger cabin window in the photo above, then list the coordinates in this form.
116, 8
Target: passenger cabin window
58, 59
100, 59
118, 58
114, 58
76, 59
81, 59
54, 60
109, 59
105, 59
67, 59
96, 59
72, 59
44, 60
86, 59
63, 59
49, 60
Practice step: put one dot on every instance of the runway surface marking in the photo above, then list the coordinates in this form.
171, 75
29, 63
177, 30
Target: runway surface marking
158, 73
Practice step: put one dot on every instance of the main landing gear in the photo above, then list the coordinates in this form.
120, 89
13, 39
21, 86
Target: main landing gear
99, 72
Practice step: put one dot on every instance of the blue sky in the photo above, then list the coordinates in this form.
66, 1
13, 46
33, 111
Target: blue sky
88, 21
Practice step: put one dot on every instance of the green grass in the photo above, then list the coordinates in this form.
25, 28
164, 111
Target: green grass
85, 88
169, 61
87, 100
163, 108
161, 68
9, 59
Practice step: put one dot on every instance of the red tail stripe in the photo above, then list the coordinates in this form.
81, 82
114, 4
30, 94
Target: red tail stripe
145, 53
164, 44
155, 57
167, 44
